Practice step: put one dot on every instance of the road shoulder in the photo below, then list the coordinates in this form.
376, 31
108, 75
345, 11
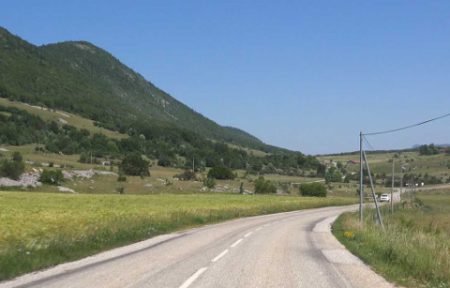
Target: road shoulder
351, 268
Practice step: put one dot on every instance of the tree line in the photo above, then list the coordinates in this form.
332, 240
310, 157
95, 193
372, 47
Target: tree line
166, 144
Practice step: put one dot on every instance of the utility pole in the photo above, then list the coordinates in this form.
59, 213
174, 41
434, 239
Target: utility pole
361, 189
377, 207
193, 164
392, 190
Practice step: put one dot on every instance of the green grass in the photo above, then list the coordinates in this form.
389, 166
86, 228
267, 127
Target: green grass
435, 165
43, 229
414, 250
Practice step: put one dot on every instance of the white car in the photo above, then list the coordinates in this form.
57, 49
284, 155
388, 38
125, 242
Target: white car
385, 198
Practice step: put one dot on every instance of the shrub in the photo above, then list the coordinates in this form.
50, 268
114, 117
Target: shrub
121, 178
12, 168
134, 165
51, 177
313, 189
187, 175
221, 173
164, 161
209, 182
333, 175
264, 186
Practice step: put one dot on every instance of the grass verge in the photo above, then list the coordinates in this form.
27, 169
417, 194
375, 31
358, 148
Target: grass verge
413, 251
39, 230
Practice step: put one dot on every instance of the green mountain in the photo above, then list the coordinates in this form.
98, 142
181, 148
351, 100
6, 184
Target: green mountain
81, 78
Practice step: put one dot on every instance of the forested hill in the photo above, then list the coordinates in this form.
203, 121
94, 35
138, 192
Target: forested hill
84, 79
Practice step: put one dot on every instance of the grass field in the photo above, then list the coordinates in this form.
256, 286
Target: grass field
162, 180
414, 251
436, 165
43, 229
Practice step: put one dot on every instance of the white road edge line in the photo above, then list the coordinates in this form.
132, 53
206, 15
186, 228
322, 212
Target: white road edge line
248, 234
220, 256
194, 277
236, 243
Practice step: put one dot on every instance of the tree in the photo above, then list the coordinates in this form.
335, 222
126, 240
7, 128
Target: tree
428, 150
52, 177
134, 165
12, 168
264, 186
333, 175
321, 169
313, 189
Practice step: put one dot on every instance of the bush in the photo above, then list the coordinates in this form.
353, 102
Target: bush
134, 165
313, 189
264, 186
164, 161
12, 168
333, 175
121, 178
187, 175
222, 173
209, 182
51, 177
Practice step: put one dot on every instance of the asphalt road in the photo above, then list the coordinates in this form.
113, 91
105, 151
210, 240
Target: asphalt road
293, 249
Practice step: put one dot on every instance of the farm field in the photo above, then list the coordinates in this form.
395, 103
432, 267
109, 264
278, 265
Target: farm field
43, 229
414, 250
436, 165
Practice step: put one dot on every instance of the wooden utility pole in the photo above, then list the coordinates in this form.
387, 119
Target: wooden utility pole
361, 188
392, 190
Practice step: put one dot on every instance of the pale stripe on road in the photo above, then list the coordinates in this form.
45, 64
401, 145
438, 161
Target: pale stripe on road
220, 256
194, 277
236, 243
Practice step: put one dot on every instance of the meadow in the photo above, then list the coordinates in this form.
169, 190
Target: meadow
414, 250
412, 161
39, 230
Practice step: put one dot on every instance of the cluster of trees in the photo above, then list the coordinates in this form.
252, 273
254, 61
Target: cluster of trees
12, 168
428, 149
170, 146
419, 178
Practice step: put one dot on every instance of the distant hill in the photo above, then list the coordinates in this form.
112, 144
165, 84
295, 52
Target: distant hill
82, 78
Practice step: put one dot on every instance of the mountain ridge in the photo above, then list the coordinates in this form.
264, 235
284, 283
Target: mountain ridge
88, 71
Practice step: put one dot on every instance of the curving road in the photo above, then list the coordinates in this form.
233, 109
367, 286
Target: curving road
294, 249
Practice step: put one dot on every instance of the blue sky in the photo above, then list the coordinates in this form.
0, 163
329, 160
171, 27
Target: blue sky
305, 75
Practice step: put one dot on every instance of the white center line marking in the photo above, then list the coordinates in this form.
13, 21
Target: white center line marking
194, 277
248, 234
236, 243
220, 256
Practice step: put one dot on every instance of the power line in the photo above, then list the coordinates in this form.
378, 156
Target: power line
406, 127
368, 143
